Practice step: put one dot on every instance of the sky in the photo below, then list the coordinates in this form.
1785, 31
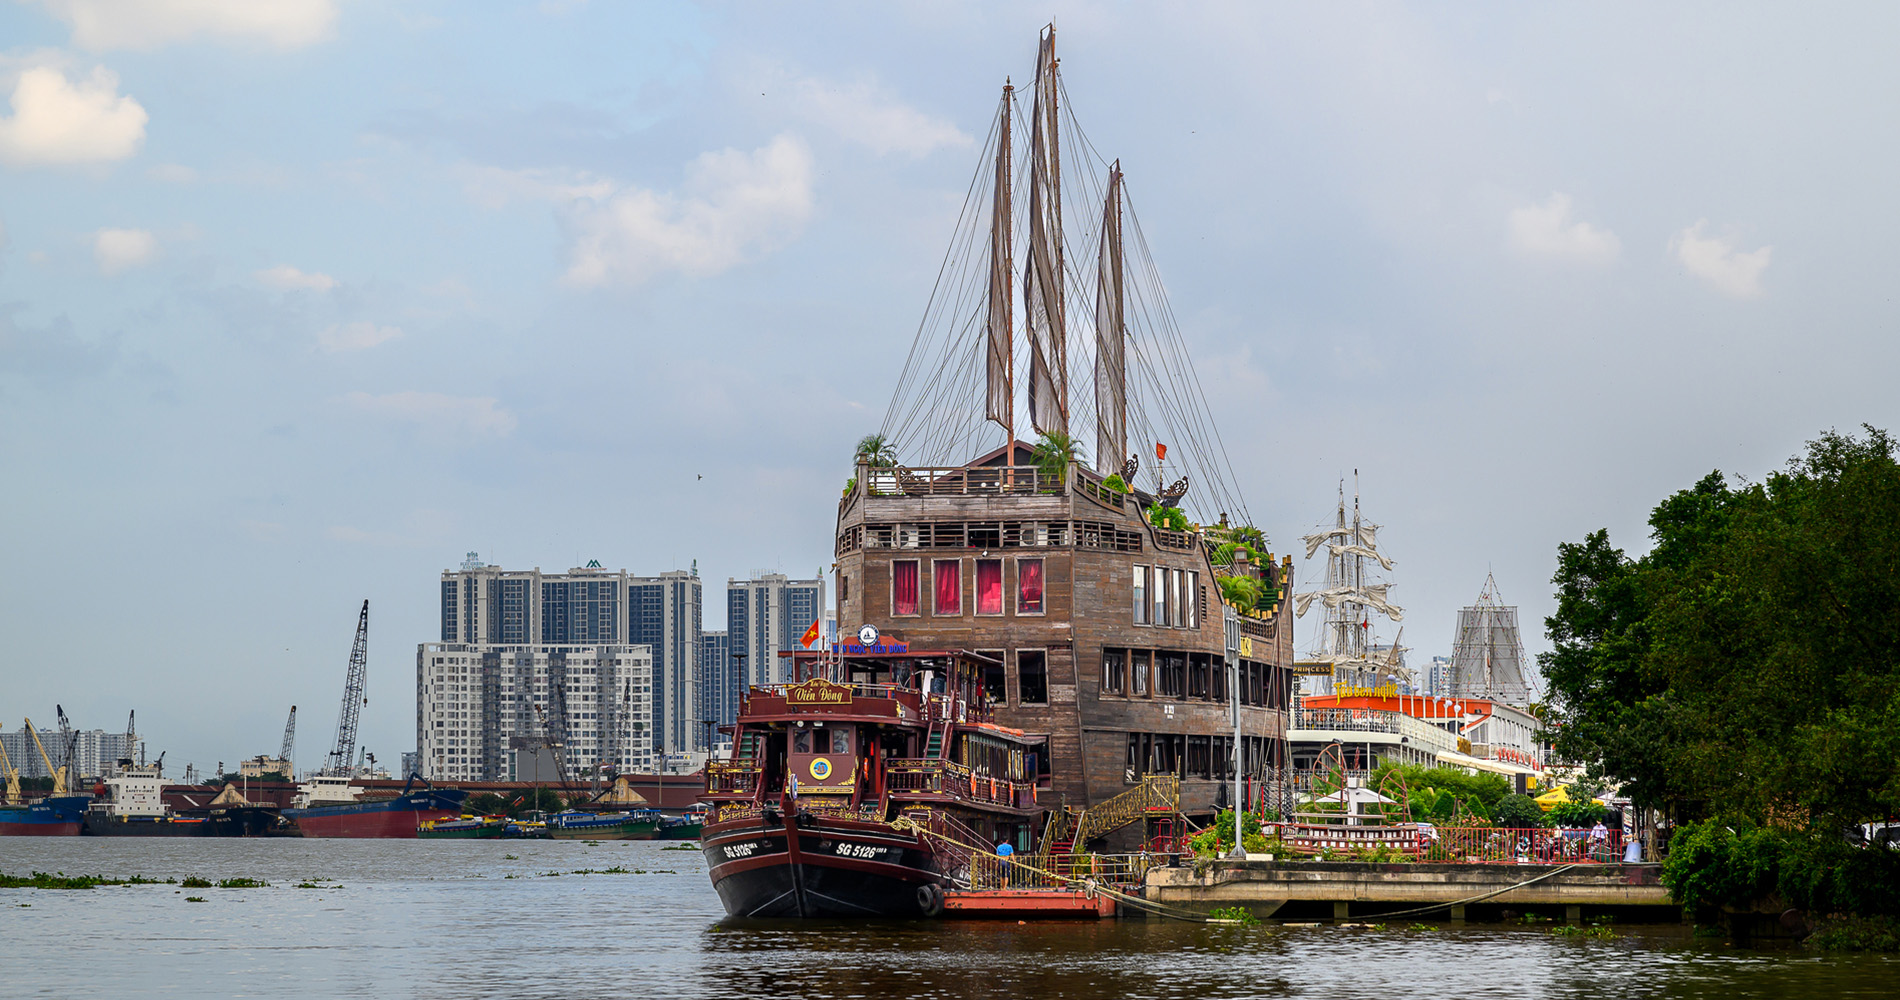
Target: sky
301, 302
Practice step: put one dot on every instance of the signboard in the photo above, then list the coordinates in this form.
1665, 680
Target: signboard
818, 691
1246, 647
1313, 668
884, 649
1382, 691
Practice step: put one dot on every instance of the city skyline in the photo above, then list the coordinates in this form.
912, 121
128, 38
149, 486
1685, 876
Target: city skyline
294, 311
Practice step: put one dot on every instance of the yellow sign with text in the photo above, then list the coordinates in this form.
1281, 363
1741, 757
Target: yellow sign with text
1246, 647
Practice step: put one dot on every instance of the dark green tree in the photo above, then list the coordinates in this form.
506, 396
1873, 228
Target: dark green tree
1749, 664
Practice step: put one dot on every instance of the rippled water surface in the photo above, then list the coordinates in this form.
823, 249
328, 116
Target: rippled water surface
445, 919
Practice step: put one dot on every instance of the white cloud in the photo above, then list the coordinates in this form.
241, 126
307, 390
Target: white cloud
438, 414
865, 114
358, 336
148, 24
733, 203
495, 187
119, 250
289, 279
1715, 260
57, 121
1548, 230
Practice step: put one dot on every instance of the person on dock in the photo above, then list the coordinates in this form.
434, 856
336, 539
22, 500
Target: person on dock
1004, 850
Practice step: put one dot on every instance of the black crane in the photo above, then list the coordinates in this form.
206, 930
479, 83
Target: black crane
342, 757
290, 745
68, 747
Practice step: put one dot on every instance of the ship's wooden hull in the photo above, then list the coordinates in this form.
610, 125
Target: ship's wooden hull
816, 867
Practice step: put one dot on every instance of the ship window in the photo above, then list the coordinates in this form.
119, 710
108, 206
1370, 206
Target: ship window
1198, 759
1114, 671
1160, 589
801, 741
1198, 670
947, 586
1138, 662
1220, 680
1032, 675
1141, 595
840, 739
989, 586
1029, 587
995, 687
904, 587
1193, 600
1171, 673
1174, 598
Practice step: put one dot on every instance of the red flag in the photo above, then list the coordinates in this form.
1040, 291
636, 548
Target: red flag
1161, 452
811, 634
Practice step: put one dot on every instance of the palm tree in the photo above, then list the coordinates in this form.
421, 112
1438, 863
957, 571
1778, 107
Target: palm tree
875, 451
1054, 453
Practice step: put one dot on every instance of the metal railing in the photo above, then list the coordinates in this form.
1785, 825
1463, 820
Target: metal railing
1453, 845
960, 480
944, 777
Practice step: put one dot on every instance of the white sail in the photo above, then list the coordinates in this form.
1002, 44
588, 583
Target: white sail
1042, 273
1370, 595
1361, 550
999, 401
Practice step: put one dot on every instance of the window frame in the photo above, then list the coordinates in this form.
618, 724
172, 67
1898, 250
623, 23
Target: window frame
977, 586
917, 571
1018, 657
1138, 584
935, 610
1043, 609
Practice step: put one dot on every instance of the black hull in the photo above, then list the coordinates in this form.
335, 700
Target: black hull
105, 826
820, 871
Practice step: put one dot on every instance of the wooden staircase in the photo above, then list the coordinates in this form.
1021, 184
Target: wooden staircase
1068, 832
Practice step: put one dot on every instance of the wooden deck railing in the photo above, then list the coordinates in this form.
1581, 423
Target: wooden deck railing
948, 778
733, 777
961, 480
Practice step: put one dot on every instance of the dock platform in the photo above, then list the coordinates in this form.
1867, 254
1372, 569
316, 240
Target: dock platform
1026, 904
1349, 890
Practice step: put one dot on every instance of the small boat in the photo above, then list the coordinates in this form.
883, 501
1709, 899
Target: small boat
573, 825
685, 827
525, 829
463, 828
328, 806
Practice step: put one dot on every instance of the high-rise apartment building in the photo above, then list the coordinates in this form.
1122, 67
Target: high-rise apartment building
95, 752
664, 613
720, 680
591, 606
476, 703
768, 614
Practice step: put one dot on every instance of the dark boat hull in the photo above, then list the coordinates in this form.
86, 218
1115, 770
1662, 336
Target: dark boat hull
58, 816
96, 825
822, 869
395, 818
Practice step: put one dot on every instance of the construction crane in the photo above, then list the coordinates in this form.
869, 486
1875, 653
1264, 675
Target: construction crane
68, 746
58, 773
127, 756
12, 774
290, 744
343, 755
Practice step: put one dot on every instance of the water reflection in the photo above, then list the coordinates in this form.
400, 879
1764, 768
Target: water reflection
467, 919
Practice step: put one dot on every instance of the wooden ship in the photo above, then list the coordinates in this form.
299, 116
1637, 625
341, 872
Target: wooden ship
1074, 606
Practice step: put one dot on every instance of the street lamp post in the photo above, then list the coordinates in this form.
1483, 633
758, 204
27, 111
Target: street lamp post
1230, 621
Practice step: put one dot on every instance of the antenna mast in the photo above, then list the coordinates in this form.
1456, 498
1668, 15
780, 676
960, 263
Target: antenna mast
342, 758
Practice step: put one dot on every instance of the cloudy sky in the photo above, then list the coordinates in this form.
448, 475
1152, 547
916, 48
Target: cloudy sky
301, 301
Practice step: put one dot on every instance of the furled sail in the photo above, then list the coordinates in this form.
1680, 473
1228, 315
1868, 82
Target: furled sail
1111, 363
1000, 403
1361, 550
1367, 534
1371, 595
1042, 273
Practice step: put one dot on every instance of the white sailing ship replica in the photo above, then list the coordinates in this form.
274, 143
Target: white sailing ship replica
1346, 653
1487, 659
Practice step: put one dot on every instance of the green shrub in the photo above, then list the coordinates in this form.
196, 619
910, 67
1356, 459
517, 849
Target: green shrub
1575, 813
1170, 518
1856, 934
1518, 811
1242, 592
1239, 914
1115, 482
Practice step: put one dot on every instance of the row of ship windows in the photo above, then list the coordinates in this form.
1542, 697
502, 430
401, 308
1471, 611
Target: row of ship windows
988, 535
946, 591
1169, 673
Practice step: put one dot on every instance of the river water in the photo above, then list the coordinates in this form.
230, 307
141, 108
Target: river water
461, 919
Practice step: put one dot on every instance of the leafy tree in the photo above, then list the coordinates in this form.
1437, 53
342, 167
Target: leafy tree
875, 451
1054, 453
1518, 811
1749, 664
1426, 786
1116, 483
1577, 812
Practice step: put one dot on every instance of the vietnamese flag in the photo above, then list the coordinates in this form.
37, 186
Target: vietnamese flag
811, 634
1161, 452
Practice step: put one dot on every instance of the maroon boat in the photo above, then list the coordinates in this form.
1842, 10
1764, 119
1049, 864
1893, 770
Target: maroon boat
856, 791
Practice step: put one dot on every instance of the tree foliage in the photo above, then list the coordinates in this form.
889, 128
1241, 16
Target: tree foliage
875, 451
1054, 453
1749, 664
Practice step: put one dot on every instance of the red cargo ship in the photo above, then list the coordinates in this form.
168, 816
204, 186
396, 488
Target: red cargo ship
327, 806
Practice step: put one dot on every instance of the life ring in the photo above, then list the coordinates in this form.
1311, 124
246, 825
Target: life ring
930, 899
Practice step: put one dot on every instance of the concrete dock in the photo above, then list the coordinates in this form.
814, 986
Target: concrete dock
1318, 890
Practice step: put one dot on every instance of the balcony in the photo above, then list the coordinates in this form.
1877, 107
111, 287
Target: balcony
916, 778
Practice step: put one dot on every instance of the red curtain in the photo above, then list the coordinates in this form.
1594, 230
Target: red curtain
904, 588
949, 578
1029, 578
989, 586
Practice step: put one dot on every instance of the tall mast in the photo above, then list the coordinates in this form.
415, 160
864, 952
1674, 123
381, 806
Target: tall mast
1042, 288
1001, 405
1061, 341
1111, 363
